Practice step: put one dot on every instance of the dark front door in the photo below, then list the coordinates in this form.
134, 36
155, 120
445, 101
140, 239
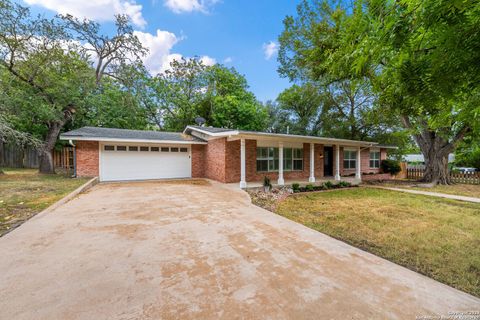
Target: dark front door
328, 161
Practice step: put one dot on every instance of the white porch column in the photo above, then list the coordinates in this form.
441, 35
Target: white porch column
358, 171
312, 163
243, 182
280, 181
337, 162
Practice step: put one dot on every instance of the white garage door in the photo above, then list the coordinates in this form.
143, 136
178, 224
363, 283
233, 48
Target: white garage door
142, 162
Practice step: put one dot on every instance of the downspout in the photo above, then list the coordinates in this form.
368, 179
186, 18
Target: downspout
74, 159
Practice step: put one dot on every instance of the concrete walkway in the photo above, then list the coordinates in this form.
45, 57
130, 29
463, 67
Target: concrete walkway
433, 194
152, 250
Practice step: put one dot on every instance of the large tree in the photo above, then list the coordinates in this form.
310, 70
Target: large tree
419, 56
189, 89
50, 65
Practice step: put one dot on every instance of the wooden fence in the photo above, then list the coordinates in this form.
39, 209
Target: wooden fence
458, 177
14, 156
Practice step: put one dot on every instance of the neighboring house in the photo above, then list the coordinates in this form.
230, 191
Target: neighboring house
420, 159
224, 155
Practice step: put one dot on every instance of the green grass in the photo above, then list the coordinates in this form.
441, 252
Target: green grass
468, 190
24, 192
436, 237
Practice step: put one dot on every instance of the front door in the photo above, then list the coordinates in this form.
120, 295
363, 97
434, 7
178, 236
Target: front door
327, 161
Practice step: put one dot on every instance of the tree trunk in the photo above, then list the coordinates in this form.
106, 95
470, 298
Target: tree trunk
46, 164
436, 169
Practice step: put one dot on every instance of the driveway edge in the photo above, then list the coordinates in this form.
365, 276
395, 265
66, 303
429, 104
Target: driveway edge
84, 187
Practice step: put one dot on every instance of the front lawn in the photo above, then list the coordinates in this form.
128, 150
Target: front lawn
436, 237
468, 190
24, 193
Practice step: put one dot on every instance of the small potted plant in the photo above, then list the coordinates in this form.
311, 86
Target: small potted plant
266, 184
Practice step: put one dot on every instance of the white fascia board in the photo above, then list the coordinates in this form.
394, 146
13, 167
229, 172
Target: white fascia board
129, 140
214, 134
302, 139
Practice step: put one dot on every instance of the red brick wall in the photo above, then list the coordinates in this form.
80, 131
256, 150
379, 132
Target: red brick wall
364, 160
232, 164
214, 162
87, 158
198, 160
251, 165
222, 162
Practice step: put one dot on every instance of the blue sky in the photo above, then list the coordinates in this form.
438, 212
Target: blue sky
242, 34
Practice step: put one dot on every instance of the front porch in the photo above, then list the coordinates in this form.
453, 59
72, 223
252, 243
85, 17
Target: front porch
313, 163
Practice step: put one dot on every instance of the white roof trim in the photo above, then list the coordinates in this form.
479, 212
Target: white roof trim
237, 134
214, 134
129, 140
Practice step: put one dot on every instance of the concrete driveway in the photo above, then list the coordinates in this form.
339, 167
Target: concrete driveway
156, 250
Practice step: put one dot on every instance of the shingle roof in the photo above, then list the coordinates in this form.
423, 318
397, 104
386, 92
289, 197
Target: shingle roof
125, 134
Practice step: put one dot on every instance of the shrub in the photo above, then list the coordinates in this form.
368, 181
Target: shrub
295, 187
328, 185
390, 166
309, 187
344, 184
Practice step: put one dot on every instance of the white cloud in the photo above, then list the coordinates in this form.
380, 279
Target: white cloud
181, 6
100, 10
228, 60
270, 49
208, 61
160, 46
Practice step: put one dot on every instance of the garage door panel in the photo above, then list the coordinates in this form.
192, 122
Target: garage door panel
143, 165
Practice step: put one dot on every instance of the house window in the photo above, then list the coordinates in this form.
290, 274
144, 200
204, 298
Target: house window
173, 149
268, 159
143, 148
349, 159
374, 159
183, 150
121, 148
297, 159
287, 159
109, 148
156, 149
164, 149
133, 148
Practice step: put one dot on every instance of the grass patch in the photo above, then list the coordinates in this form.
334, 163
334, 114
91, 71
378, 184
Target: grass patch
468, 190
24, 193
436, 237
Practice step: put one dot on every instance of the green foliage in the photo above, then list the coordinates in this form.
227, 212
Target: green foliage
344, 184
309, 187
468, 155
296, 187
216, 93
418, 57
390, 166
328, 185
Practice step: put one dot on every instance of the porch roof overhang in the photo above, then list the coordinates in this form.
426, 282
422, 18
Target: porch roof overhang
233, 135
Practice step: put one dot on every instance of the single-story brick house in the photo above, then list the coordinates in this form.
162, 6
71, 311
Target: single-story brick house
225, 155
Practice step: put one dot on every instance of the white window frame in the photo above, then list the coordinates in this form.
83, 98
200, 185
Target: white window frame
274, 161
376, 161
351, 159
